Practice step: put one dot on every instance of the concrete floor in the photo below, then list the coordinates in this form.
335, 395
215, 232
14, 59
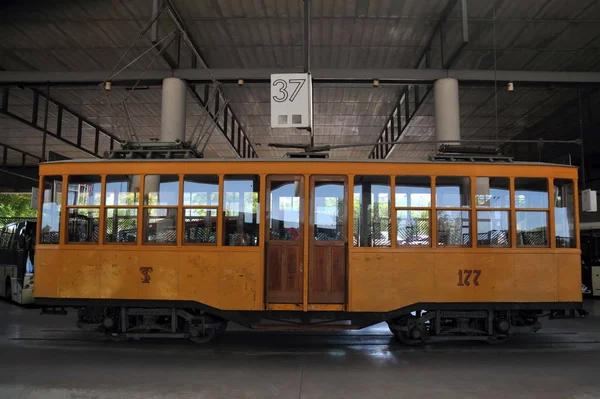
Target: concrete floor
47, 357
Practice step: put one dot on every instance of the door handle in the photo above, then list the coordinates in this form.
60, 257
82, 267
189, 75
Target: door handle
301, 267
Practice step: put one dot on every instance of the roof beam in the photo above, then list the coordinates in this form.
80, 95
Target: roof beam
32, 120
238, 139
24, 154
260, 75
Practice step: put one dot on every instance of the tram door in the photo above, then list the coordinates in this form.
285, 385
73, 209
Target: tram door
326, 241
285, 239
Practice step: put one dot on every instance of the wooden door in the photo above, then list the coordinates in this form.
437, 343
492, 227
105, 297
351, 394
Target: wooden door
328, 239
285, 239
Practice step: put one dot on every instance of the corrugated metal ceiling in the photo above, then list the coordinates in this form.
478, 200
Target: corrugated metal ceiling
93, 35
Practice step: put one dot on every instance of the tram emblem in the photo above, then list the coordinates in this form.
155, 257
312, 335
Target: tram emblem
146, 274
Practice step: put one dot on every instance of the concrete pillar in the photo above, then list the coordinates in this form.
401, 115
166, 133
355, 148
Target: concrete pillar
174, 94
447, 112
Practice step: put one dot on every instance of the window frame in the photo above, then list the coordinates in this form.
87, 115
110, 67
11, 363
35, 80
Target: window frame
218, 208
350, 210
143, 207
510, 210
549, 210
260, 219
429, 209
469, 209
117, 207
68, 208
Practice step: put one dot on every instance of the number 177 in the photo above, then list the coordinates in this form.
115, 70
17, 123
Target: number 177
465, 275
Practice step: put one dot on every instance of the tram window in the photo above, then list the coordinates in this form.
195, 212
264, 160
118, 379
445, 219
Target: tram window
84, 190
532, 229
122, 190
493, 229
414, 228
564, 213
492, 192
372, 223
453, 228
200, 226
531, 193
413, 191
161, 190
201, 190
413, 225
83, 225
240, 209
121, 225
284, 212
51, 208
160, 226
452, 192
329, 211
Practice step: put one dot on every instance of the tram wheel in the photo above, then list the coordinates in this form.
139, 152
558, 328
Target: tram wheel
405, 333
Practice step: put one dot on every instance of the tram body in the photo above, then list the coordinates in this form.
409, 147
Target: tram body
433, 248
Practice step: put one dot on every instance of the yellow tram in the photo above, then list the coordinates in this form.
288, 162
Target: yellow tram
436, 249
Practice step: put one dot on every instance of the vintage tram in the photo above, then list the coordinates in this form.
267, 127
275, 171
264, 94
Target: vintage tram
178, 247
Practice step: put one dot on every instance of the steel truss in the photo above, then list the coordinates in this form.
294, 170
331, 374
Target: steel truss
55, 131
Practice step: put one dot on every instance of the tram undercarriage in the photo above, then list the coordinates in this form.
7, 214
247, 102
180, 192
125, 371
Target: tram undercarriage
414, 328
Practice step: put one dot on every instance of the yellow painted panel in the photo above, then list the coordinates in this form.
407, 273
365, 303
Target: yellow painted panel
47, 264
535, 278
198, 274
238, 283
372, 281
164, 277
120, 275
496, 282
447, 266
80, 274
413, 279
568, 277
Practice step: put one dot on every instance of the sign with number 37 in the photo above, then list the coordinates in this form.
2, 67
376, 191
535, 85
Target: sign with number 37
291, 100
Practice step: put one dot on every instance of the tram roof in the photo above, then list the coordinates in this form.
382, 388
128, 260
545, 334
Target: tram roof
307, 160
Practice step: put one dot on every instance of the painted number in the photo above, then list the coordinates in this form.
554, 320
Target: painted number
464, 277
282, 86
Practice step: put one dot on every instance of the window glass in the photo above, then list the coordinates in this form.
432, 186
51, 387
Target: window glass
122, 190
452, 192
414, 227
329, 211
160, 225
492, 192
50, 227
531, 193
241, 208
532, 229
564, 213
453, 228
372, 226
413, 191
83, 225
284, 210
84, 190
493, 229
201, 190
161, 190
121, 225
200, 226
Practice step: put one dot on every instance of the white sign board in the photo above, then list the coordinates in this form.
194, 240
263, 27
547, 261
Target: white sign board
589, 201
291, 100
